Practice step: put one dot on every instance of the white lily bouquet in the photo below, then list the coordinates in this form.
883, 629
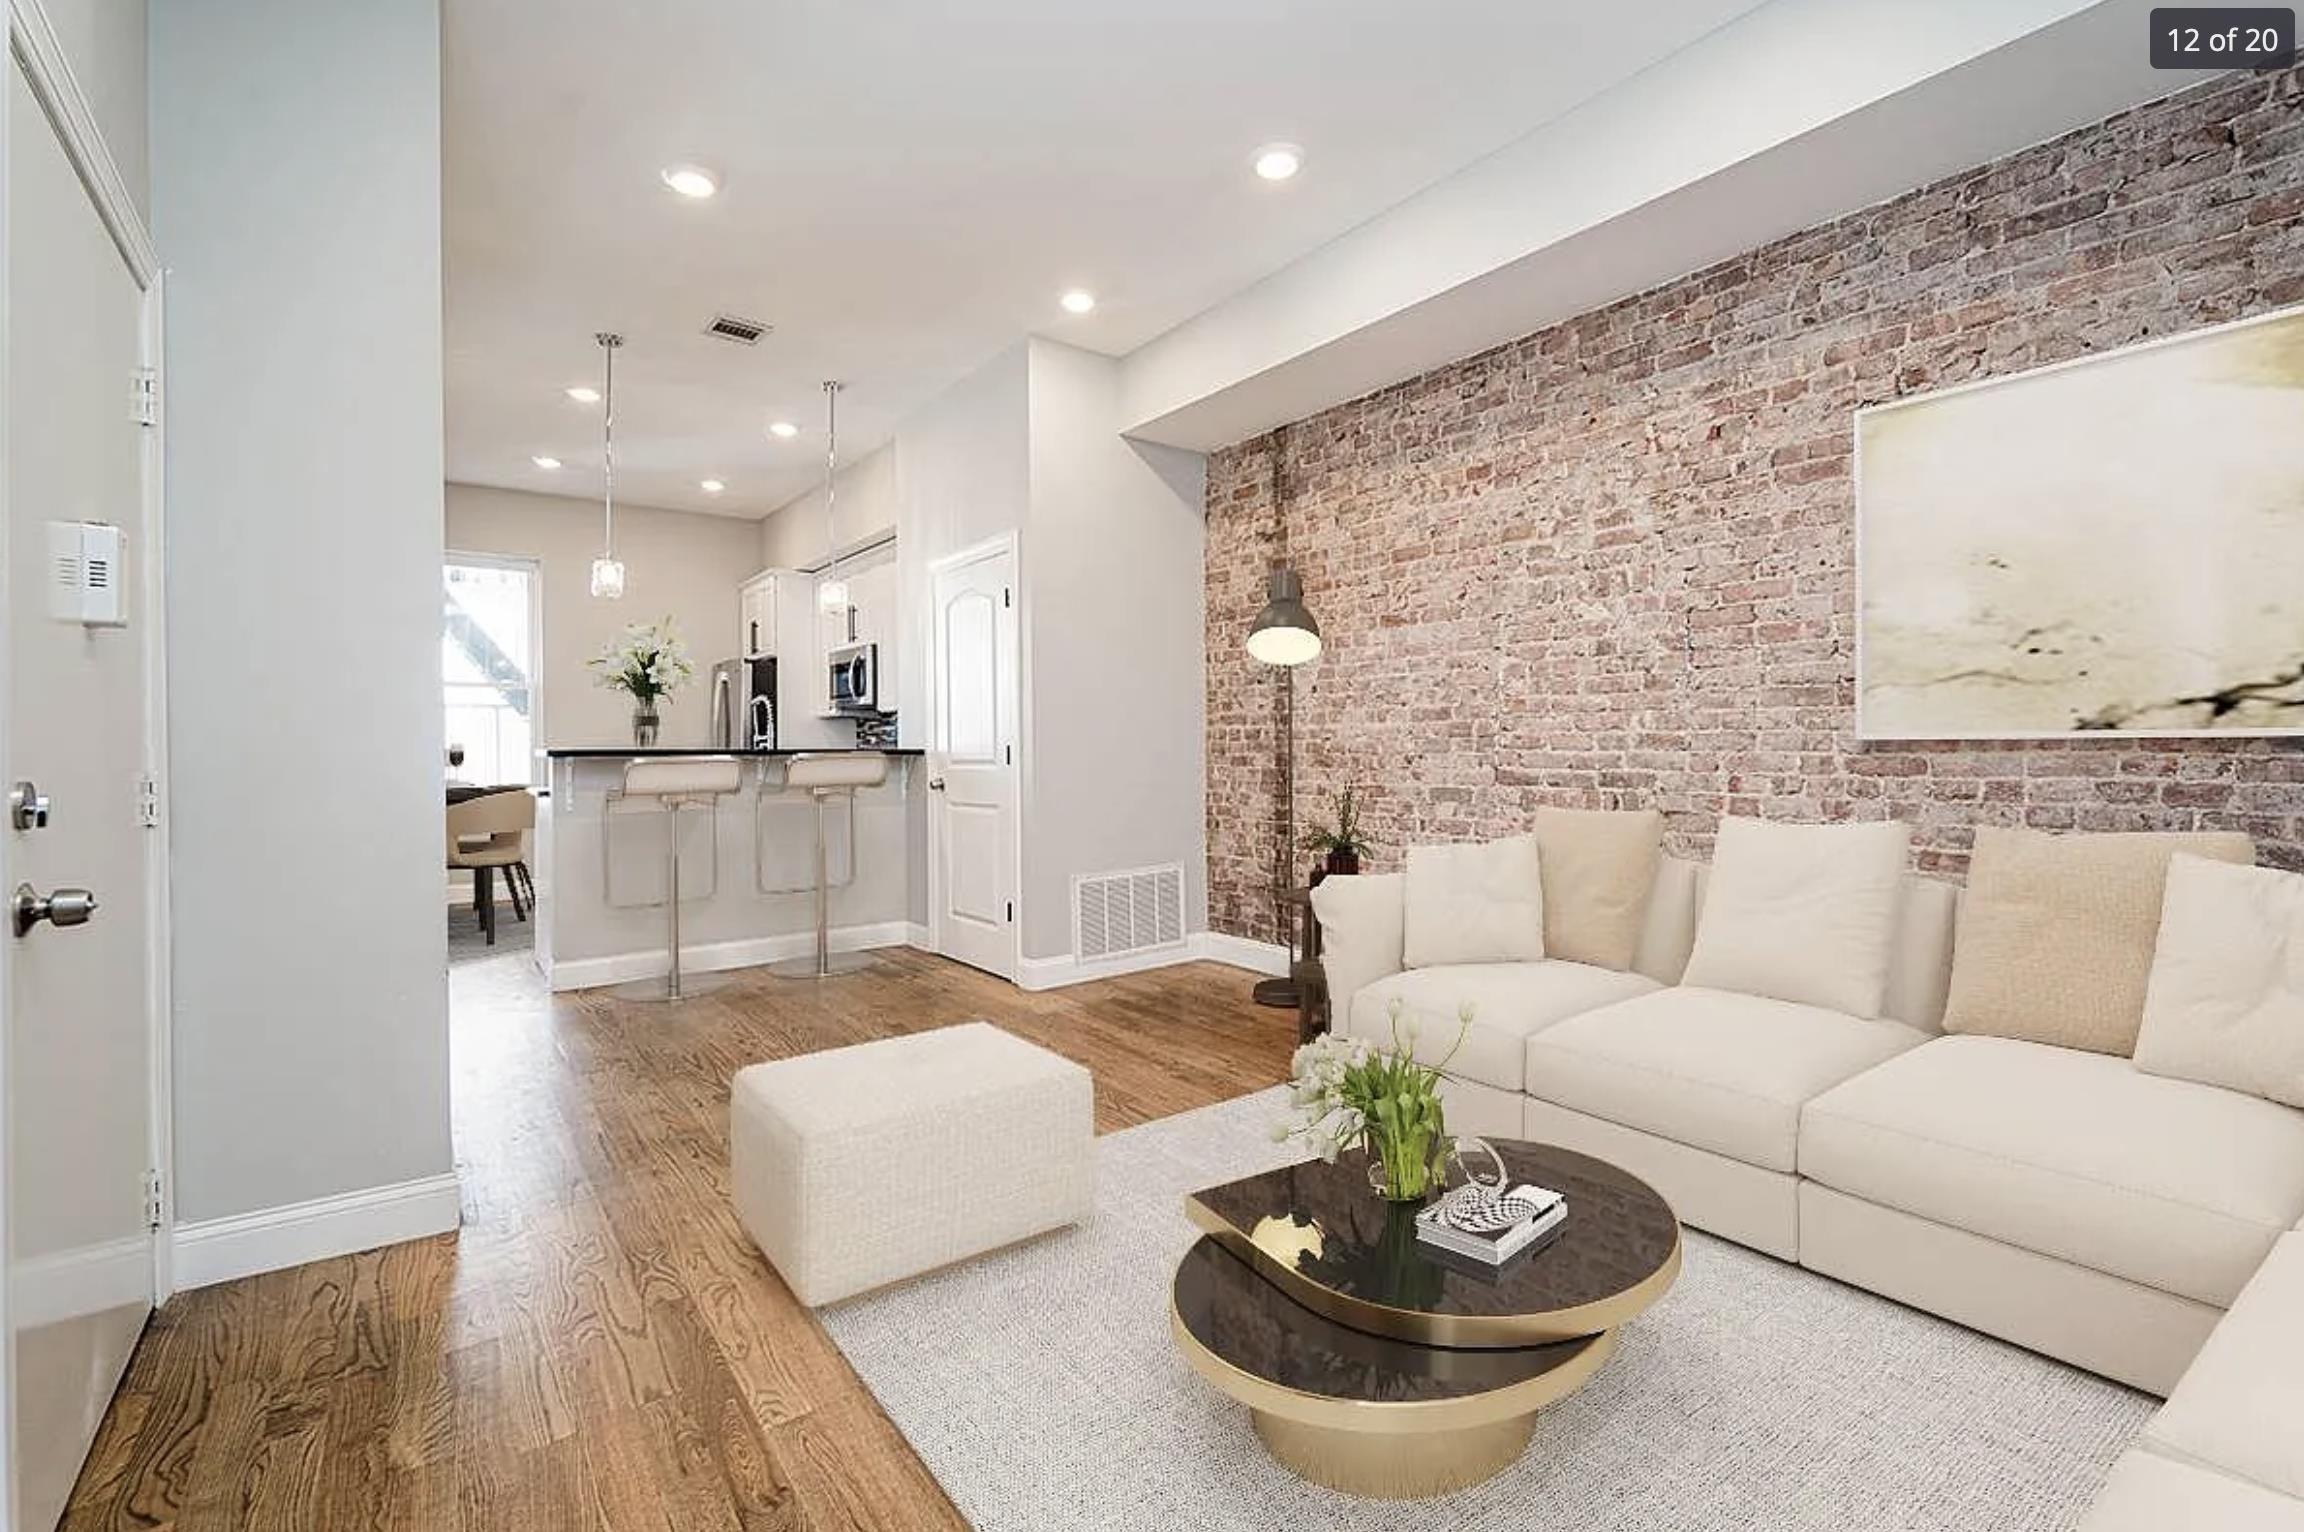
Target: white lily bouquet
648, 661
1349, 1094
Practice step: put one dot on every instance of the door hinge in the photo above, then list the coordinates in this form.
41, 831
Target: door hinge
155, 1206
1011, 912
1007, 755
144, 397
148, 803
1007, 596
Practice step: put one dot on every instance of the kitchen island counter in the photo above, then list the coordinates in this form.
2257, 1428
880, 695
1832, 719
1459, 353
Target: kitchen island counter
655, 752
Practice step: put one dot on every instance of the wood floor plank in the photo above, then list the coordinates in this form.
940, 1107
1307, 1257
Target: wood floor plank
600, 1348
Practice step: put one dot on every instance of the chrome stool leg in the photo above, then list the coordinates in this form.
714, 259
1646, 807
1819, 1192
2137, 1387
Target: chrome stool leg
674, 986
825, 963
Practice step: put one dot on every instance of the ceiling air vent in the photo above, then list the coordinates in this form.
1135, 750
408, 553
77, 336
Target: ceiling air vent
744, 332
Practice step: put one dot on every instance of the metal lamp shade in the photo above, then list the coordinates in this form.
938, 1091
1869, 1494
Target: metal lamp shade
1284, 632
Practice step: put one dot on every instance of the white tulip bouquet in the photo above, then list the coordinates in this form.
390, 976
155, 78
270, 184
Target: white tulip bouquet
1348, 1094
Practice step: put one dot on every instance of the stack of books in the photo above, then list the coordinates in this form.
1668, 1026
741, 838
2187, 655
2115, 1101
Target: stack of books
1475, 1231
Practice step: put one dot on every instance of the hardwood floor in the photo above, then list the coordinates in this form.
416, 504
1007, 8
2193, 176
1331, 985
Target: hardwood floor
600, 1346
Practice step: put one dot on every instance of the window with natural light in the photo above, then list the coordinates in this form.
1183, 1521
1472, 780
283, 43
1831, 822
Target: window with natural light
488, 670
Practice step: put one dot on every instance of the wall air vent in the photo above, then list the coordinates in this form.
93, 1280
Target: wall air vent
744, 332
1115, 914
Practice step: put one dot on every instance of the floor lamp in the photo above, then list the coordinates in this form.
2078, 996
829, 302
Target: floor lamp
1284, 635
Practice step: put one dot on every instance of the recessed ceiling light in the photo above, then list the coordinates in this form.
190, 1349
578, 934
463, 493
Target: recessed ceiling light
712, 486
1277, 162
541, 461
783, 430
1078, 301
583, 395
691, 180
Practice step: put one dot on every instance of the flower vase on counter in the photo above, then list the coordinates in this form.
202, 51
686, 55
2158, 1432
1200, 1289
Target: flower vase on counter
647, 662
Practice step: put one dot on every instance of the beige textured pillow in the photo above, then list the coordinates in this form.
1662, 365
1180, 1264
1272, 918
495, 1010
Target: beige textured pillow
1805, 913
1599, 869
2056, 933
1474, 904
2225, 1005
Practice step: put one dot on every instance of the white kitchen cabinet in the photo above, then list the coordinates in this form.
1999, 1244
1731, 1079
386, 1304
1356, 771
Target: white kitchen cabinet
756, 615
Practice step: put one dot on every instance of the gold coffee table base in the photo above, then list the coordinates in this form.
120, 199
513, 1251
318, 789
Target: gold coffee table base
1385, 1466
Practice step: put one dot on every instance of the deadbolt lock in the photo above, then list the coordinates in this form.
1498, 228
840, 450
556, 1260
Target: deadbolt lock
27, 807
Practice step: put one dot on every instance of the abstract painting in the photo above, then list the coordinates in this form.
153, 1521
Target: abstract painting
2112, 544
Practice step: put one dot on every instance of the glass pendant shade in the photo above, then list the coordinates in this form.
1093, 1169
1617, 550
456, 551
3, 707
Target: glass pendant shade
608, 578
831, 594
1284, 632
607, 569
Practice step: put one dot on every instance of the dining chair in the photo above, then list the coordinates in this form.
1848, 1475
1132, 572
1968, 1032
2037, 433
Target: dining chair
488, 833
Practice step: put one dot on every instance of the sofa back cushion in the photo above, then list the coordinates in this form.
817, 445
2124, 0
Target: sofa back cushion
2057, 932
1599, 867
1474, 904
1668, 930
2225, 1003
1802, 912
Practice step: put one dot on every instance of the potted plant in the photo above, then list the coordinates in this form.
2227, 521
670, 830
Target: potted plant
649, 662
1343, 844
1349, 1094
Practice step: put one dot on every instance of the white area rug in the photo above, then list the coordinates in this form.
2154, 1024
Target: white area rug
1042, 1389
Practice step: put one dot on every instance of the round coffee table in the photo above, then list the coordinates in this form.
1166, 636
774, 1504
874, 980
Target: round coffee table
1374, 1364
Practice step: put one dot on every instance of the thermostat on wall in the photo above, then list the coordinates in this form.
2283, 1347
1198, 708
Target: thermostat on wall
88, 582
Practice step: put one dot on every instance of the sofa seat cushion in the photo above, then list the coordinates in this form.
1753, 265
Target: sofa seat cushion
2071, 1154
1709, 1068
2151, 1493
1510, 1001
2241, 1406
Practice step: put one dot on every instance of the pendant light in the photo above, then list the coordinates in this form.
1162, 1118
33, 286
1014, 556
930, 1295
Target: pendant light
831, 590
607, 569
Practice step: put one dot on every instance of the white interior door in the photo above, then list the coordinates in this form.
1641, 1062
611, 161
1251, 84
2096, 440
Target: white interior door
78, 1093
972, 760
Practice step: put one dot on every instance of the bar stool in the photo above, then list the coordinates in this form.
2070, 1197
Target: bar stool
677, 783
823, 778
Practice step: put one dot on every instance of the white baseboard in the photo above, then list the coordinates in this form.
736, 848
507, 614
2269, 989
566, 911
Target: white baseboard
50, 1289
1201, 946
271, 1239
916, 935
712, 957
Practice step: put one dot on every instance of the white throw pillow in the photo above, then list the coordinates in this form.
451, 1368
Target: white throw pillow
1474, 904
1805, 913
1360, 935
2225, 1004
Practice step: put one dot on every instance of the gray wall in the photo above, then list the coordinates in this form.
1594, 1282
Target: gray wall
104, 41
296, 176
1113, 636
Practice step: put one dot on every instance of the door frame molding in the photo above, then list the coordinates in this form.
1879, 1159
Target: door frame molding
1009, 543
32, 38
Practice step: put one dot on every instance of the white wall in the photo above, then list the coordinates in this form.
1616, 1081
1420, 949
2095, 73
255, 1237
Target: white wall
1116, 690
676, 564
105, 44
296, 200
865, 507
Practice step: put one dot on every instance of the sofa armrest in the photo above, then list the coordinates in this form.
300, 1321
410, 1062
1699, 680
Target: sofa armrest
1362, 927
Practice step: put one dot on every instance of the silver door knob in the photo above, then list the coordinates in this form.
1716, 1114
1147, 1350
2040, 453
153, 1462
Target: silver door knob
935, 784
65, 907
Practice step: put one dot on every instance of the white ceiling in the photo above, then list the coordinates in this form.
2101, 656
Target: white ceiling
909, 184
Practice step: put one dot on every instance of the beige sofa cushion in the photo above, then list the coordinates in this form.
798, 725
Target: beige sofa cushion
1474, 904
1599, 869
2241, 1407
1708, 1068
1510, 1000
1360, 933
2225, 1005
2071, 1154
1805, 913
2056, 933
2150, 1493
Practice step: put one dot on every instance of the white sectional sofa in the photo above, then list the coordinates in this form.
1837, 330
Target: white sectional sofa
2061, 1199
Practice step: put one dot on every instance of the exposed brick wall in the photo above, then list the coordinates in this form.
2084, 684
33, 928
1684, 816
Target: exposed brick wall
1611, 563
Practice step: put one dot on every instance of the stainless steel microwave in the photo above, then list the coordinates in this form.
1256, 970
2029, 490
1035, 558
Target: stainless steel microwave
855, 678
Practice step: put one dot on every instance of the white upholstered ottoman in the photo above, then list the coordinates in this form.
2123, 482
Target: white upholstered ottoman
861, 1166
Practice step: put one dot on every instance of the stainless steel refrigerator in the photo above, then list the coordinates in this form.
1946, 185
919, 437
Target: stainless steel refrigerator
744, 704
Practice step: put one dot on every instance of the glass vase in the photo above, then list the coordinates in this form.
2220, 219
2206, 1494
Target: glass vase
645, 722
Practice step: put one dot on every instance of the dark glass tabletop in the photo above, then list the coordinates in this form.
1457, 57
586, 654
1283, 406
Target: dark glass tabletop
1319, 1235
1274, 1348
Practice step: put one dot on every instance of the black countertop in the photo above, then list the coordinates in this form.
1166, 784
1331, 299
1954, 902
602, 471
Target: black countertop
635, 752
